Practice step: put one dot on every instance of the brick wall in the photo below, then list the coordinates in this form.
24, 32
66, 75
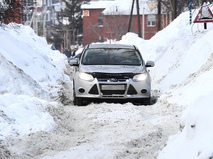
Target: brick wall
115, 26
91, 32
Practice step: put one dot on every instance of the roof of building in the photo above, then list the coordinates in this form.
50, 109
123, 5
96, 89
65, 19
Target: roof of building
96, 4
122, 7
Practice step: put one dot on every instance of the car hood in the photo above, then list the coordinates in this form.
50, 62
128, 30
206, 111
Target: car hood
112, 69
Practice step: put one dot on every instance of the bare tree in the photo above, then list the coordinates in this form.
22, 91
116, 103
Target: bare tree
116, 25
112, 26
176, 7
10, 11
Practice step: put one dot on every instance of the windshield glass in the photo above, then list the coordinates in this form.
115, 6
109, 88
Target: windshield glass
112, 56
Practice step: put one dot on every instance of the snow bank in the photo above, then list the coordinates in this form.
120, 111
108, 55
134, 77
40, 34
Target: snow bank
32, 79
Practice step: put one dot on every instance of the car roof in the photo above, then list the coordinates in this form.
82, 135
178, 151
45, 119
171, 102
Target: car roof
102, 45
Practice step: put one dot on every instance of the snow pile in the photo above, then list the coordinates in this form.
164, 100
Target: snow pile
195, 140
183, 73
31, 78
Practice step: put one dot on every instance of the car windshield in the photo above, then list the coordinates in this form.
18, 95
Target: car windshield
112, 56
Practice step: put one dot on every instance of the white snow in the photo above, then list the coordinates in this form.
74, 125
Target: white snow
121, 6
32, 77
96, 4
31, 74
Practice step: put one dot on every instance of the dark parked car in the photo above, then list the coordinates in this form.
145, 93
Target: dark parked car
111, 72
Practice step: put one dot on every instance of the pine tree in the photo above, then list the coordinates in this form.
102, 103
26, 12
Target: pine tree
72, 15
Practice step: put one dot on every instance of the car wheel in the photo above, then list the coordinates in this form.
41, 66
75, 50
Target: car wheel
76, 100
142, 101
146, 101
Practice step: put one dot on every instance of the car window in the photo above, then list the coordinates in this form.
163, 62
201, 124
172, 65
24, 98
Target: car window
112, 56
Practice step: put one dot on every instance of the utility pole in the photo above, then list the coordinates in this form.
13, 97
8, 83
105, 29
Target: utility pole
173, 4
138, 16
159, 15
130, 19
175, 8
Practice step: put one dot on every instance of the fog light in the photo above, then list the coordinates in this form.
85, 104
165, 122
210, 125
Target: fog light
81, 90
143, 91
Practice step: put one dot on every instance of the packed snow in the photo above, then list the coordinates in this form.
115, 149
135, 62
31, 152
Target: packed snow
38, 119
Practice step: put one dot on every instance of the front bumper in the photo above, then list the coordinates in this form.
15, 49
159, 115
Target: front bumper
105, 89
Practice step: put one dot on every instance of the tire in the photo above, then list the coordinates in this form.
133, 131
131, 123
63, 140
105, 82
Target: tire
142, 102
76, 100
147, 101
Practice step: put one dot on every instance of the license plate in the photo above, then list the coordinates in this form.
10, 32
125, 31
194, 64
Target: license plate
113, 87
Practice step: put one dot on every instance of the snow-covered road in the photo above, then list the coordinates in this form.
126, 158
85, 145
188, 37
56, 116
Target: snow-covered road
104, 131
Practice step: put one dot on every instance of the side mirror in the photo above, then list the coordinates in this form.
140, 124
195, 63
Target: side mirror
74, 62
150, 64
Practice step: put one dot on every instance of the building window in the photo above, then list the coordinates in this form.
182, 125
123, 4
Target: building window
151, 20
100, 20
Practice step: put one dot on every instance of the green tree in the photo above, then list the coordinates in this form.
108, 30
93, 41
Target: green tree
70, 20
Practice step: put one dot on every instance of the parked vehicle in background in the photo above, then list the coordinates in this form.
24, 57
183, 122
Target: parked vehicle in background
78, 56
77, 53
111, 72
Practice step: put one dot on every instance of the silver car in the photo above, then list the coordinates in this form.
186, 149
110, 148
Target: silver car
111, 72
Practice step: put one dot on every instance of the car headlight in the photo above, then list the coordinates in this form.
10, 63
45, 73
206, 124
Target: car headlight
140, 77
85, 76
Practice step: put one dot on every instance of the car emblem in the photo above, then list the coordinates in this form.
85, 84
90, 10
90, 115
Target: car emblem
113, 80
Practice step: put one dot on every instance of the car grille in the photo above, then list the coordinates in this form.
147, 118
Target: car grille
113, 84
